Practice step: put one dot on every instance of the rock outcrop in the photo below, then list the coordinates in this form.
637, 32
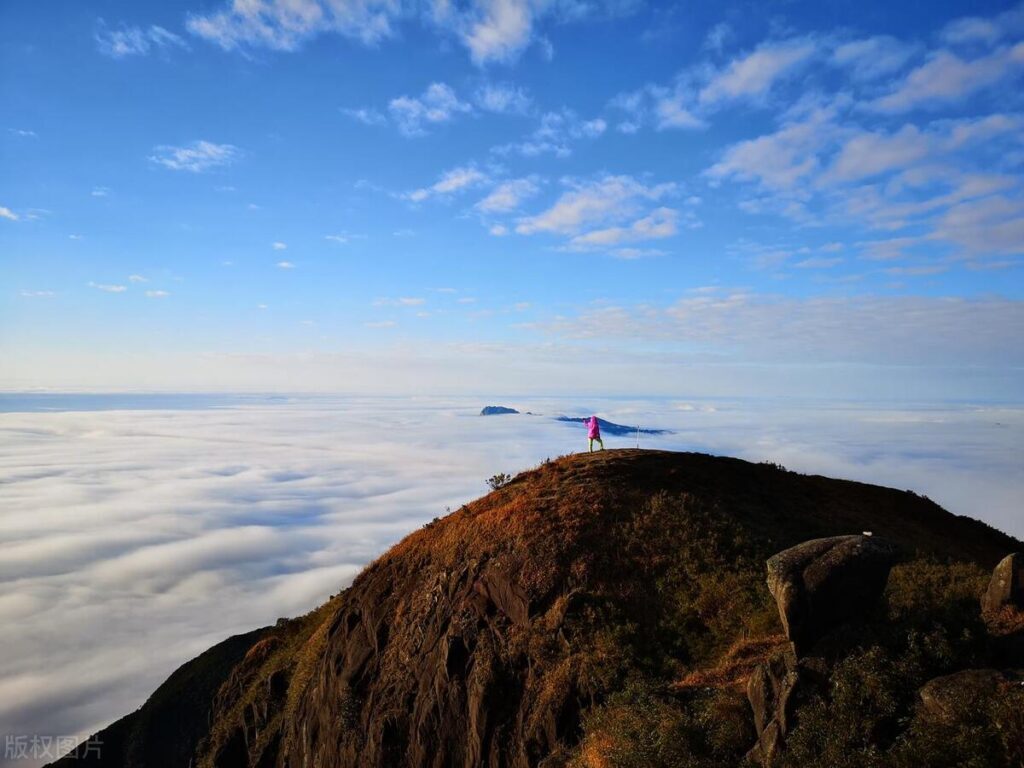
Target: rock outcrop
818, 585
823, 583
1007, 584
770, 691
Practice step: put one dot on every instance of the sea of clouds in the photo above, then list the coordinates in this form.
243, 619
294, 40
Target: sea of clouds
138, 531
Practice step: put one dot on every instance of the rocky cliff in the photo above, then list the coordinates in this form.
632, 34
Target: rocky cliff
612, 609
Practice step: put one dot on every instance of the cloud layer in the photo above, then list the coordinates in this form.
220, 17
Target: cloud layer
134, 539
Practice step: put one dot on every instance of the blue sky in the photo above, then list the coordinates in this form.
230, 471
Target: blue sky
621, 198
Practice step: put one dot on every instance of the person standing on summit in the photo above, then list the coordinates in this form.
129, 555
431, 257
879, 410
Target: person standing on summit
594, 433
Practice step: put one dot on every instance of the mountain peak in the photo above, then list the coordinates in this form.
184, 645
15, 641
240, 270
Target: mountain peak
506, 632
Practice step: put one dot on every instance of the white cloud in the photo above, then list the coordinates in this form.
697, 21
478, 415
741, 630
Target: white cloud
704, 88
670, 111
285, 265
366, 116
7, 213
503, 99
779, 160
403, 301
555, 134
991, 225
660, 223
605, 201
872, 57
285, 24
437, 104
157, 294
718, 37
666, 108
508, 195
137, 279
922, 157
196, 157
817, 169
752, 76
100, 192
279, 246
23, 133
38, 294
631, 254
134, 41
498, 230
493, 31
819, 262
947, 78
109, 288
455, 180
975, 29
869, 154
920, 270
877, 330
500, 31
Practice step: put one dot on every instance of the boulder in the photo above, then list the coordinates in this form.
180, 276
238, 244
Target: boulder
1007, 584
823, 583
959, 696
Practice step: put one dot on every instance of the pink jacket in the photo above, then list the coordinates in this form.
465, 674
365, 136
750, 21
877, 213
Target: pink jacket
593, 428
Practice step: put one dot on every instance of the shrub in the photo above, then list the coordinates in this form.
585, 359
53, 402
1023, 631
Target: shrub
640, 727
986, 733
499, 480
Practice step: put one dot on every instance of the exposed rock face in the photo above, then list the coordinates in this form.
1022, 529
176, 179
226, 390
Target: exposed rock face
496, 410
823, 583
444, 694
775, 689
502, 594
950, 698
244, 743
1007, 584
770, 692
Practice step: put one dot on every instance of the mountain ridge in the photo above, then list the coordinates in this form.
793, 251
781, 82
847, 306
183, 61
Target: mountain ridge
504, 632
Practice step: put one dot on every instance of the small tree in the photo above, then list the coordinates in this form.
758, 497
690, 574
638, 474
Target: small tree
499, 480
